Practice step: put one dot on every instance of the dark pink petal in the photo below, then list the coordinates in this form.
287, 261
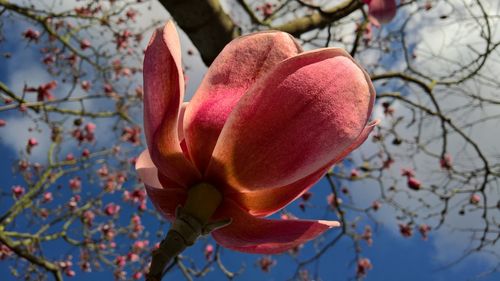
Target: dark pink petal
166, 200
238, 66
165, 196
306, 112
382, 10
180, 127
163, 94
250, 234
149, 173
265, 202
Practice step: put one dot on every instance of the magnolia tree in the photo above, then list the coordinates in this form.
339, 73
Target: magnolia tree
71, 123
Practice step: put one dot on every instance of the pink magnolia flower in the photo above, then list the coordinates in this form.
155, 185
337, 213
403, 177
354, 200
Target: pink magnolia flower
267, 122
382, 10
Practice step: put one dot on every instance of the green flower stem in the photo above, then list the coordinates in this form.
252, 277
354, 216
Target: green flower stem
191, 221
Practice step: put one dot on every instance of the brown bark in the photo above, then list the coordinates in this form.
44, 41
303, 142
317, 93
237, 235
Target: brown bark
206, 24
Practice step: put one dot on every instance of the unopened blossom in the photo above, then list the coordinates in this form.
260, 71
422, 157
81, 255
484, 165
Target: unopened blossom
32, 142
265, 263
121, 261
88, 217
72, 59
428, 5
208, 252
306, 196
382, 10
388, 163
84, 44
86, 85
133, 257
31, 34
132, 135
267, 122
388, 109
44, 91
23, 165
108, 231
5, 251
18, 191
90, 128
406, 230
424, 230
70, 157
111, 209
266, 9
333, 201
2, 122
131, 14
103, 171
137, 275
368, 235
75, 184
44, 213
363, 266
108, 89
49, 59
413, 183
70, 273
47, 197
475, 199
139, 92
407, 172
140, 245
354, 173
86, 152
445, 162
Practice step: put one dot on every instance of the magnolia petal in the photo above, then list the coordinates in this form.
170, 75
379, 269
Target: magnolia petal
383, 10
250, 234
266, 202
166, 200
359, 141
238, 66
147, 170
180, 125
163, 94
293, 122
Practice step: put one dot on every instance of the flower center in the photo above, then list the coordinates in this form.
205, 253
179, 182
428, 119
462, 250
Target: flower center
202, 202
